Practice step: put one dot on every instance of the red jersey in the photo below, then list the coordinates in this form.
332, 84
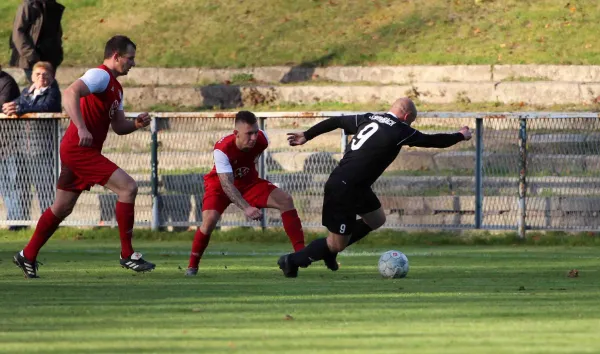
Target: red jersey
241, 163
98, 108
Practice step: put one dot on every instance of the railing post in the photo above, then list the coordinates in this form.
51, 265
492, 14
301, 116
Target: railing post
154, 174
262, 172
56, 157
343, 142
478, 172
522, 177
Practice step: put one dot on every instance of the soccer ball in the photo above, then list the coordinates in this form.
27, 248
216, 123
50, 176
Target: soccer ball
393, 264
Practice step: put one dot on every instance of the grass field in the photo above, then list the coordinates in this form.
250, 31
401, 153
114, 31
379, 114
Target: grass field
235, 33
456, 299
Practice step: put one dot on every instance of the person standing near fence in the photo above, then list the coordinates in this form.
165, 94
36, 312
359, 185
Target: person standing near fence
36, 143
93, 102
234, 179
376, 143
9, 135
37, 35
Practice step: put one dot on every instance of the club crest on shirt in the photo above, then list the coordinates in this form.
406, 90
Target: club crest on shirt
241, 172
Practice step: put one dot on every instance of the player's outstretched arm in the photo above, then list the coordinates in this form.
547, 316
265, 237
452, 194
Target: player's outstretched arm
71, 98
236, 198
296, 139
416, 138
122, 126
348, 123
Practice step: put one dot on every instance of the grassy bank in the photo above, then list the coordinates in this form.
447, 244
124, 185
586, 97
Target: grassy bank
233, 33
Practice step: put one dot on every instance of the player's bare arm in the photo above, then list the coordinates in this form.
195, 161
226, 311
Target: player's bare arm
122, 126
71, 98
236, 198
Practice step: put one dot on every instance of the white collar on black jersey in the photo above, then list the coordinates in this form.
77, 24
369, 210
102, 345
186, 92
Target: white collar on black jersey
392, 114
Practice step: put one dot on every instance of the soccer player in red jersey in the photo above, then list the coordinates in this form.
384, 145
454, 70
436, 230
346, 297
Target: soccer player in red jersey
234, 179
93, 102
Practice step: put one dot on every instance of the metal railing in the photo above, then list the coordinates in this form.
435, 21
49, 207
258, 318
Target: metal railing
529, 170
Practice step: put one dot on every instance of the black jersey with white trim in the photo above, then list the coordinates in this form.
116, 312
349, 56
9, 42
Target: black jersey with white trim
377, 141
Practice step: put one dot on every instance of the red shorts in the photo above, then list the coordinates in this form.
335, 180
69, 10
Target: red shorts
83, 168
256, 194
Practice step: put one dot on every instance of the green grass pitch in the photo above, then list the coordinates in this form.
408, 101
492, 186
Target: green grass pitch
456, 299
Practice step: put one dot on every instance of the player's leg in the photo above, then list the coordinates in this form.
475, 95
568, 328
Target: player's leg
338, 216
46, 226
368, 222
126, 189
214, 203
279, 199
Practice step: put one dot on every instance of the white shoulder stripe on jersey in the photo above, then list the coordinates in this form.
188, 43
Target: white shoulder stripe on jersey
407, 137
222, 164
96, 80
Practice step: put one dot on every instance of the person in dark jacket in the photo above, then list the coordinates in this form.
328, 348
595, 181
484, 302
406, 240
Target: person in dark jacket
37, 35
35, 162
9, 133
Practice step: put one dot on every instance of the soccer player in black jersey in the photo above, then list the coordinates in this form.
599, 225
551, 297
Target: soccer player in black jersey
377, 141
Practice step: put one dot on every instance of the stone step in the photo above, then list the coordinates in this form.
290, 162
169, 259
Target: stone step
344, 74
232, 96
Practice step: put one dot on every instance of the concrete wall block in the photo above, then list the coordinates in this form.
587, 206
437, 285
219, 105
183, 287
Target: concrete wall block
291, 161
178, 76
540, 93
573, 73
414, 161
136, 98
583, 204
559, 164
450, 92
455, 160
184, 96
141, 77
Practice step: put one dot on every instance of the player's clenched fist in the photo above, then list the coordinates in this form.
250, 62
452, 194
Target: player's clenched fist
85, 137
143, 120
253, 213
296, 139
465, 132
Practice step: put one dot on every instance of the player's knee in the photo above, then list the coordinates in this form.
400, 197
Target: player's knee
62, 210
377, 223
130, 189
286, 201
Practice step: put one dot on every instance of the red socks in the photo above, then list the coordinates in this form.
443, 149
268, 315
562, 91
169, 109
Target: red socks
125, 218
46, 225
198, 246
293, 228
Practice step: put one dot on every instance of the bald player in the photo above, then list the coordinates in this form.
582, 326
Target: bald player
377, 141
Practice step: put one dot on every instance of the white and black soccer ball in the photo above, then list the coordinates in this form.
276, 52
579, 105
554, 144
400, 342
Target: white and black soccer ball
393, 264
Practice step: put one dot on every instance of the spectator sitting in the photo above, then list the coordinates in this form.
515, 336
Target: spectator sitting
42, 96
36, 141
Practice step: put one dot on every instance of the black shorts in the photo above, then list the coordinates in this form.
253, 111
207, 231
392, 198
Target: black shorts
342, 202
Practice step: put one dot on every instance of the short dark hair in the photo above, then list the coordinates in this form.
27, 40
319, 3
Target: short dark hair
117, 44
246, 117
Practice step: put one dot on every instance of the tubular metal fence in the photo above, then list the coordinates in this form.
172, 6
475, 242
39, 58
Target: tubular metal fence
520, 171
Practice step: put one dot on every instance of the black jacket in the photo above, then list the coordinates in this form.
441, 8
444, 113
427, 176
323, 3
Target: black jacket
9, 90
